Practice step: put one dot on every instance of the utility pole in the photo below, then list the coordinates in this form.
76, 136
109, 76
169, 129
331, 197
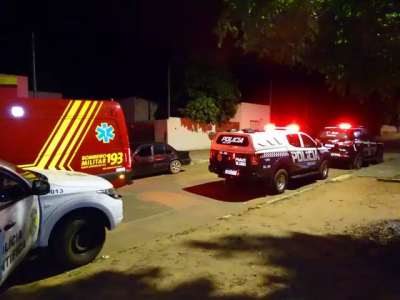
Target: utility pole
169, 91
34, 65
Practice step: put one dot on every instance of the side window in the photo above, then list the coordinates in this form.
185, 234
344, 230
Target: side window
10, 190
308, 142
145, 151
158, 149
294, 140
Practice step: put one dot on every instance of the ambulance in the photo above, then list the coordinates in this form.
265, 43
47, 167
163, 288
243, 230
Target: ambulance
68, 135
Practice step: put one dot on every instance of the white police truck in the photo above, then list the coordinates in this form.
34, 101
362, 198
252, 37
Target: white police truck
275, 155
67, 212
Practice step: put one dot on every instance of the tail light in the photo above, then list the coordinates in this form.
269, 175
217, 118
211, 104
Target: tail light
128, 165
254, 159
213, 153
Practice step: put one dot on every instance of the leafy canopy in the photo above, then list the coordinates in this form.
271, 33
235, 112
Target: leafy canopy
212, 94
354, 43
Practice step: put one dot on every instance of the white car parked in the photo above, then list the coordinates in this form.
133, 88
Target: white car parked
65, 211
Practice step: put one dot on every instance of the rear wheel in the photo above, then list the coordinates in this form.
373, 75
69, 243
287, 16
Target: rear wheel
77, 240
175, 167
324, 170
357, 162
280, 181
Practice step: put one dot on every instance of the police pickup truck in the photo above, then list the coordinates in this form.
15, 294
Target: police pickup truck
275, 155
64, 211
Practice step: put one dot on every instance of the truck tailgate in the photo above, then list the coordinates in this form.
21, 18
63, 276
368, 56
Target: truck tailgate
184, 157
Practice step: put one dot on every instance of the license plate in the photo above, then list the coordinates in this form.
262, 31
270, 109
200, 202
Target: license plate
329, 145
231, 172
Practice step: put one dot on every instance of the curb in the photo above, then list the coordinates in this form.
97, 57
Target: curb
200, 161
389, 180
340, 178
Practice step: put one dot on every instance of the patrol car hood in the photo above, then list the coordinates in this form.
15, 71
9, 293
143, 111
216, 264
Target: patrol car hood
75, 179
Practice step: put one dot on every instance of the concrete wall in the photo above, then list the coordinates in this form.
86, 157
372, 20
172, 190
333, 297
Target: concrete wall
160, 130
45, 95
137, 109
248, 112
183, 134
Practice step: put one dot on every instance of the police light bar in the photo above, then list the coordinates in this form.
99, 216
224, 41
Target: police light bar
344, 126
269, 127
293, 128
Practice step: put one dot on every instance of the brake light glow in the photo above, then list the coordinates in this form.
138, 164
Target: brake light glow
129, 160
269, 127
293, 128
344, 126
255, 159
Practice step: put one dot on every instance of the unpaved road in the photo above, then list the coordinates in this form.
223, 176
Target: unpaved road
298, 248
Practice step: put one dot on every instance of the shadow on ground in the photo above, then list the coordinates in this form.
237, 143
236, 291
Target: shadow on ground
315, 267
319, 267
241, 192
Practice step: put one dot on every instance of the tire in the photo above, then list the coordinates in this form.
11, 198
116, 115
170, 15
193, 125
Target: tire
175, 167
323, 170
357, 162
77, 241
280, 181
379, 157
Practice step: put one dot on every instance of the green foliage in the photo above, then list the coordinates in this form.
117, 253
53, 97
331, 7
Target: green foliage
211, 92
354, 43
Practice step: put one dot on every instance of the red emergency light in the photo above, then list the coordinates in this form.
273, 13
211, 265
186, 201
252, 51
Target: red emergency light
344, 126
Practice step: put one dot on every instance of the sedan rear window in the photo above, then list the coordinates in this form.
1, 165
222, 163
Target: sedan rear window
233, 140
336, 134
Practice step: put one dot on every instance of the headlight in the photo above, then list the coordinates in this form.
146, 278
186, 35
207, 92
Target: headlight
110, 192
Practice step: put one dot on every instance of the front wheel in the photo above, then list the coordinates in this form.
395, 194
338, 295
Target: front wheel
77, 241
379, 157
357, 162
324, 170
280, 181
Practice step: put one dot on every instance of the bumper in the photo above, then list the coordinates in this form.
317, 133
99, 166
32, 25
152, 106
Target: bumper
117, 207
243, 175
118, 179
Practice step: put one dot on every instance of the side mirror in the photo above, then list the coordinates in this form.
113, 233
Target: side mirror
136, 157
319, 145
40, 188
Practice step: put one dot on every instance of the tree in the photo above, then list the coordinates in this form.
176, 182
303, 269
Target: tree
211, 93
355, 44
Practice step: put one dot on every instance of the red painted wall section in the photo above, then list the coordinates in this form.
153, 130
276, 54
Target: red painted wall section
19, 90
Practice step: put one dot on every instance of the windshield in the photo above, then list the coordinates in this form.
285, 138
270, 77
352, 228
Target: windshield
336, 134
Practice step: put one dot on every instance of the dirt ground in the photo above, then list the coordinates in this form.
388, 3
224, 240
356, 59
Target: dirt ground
299, 248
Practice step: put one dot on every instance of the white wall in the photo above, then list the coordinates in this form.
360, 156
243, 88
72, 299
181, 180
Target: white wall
252, 112
183, 134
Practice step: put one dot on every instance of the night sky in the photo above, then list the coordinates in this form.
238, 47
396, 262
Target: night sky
116, 49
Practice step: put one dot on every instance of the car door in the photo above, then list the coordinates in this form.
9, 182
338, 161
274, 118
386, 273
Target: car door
363, 141
311, 157
160, 163
372, 145
295, 150
19, 220
143, 161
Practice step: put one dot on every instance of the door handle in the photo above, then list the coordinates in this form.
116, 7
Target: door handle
10, 225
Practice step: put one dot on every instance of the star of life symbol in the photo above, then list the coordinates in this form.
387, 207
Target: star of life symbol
105, 133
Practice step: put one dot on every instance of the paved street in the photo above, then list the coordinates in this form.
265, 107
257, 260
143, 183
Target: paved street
168, 204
